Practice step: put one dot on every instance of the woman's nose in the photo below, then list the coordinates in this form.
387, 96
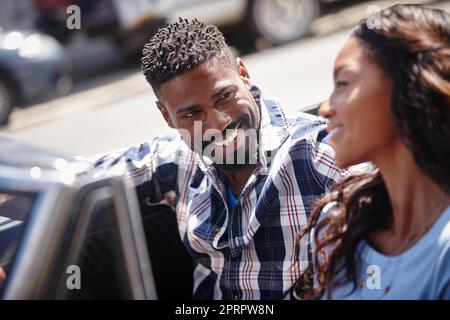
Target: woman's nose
325, 109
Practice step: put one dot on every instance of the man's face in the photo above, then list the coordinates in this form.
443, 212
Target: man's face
213, 109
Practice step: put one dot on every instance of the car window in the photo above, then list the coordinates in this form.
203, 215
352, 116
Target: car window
89, 263
100, 261
73, 243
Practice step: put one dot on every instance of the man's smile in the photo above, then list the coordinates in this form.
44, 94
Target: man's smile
229, 137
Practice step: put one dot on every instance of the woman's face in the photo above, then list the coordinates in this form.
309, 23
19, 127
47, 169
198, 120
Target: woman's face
359, 109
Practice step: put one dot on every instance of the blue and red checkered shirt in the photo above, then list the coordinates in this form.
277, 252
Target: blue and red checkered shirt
249, 251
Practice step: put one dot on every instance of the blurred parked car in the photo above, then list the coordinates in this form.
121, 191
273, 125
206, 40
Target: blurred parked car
32, 66
132, 22
278, 21
58, 214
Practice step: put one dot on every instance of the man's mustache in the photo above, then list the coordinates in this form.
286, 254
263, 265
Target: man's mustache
243, 120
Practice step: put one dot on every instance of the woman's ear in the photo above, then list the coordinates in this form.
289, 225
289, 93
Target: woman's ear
243, 73
165, 113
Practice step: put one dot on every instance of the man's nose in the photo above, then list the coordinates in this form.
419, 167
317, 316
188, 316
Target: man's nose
217, 120
326, 110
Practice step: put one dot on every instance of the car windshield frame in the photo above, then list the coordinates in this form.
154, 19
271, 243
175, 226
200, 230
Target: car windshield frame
39, 248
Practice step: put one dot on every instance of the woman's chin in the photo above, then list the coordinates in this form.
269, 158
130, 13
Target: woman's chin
342, 160
346, 159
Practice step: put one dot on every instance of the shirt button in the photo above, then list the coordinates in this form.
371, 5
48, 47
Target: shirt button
216, 229
236, 297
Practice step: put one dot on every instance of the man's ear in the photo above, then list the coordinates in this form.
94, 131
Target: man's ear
243, 73
165, 114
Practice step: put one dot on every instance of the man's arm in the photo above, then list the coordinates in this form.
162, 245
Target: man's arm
322, 157
311, 133
151, 167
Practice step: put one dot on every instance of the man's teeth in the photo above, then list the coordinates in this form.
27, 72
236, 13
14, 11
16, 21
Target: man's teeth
227, 141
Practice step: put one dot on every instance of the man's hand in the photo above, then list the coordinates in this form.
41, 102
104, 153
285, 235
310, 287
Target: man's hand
2, 275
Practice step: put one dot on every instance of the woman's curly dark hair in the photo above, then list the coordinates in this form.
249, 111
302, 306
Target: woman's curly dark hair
411, 44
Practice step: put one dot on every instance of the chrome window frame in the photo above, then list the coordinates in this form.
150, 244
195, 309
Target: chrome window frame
41, 243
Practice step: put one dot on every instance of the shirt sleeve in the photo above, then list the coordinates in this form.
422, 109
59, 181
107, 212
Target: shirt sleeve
311, 132
323, 159
151, 167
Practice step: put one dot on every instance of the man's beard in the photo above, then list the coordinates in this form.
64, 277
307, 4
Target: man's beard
245, 159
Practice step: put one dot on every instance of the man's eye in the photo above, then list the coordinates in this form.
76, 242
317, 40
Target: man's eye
190, 114
224, 95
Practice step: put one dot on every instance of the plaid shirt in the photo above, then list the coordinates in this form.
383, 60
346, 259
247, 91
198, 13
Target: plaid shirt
249, 251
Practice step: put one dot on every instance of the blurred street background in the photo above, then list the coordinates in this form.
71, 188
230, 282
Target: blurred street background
100, 99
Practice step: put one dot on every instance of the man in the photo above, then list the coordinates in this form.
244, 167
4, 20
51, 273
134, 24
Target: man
241, 177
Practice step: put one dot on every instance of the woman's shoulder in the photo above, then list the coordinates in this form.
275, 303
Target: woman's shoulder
328, 210
324, 221
444, 229
442, 266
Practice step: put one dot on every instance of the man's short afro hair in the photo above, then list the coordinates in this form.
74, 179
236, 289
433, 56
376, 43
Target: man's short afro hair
179, 47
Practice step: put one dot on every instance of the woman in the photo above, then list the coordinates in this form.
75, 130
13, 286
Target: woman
385, 234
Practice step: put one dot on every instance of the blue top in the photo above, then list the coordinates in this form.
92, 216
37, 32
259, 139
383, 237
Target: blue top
421, 272
231, 198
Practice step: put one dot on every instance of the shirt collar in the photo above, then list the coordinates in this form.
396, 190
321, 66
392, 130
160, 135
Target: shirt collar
273, 129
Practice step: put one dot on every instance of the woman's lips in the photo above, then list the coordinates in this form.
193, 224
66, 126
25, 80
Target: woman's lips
335, 132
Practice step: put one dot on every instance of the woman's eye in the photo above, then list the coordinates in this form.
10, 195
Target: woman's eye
341, 83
